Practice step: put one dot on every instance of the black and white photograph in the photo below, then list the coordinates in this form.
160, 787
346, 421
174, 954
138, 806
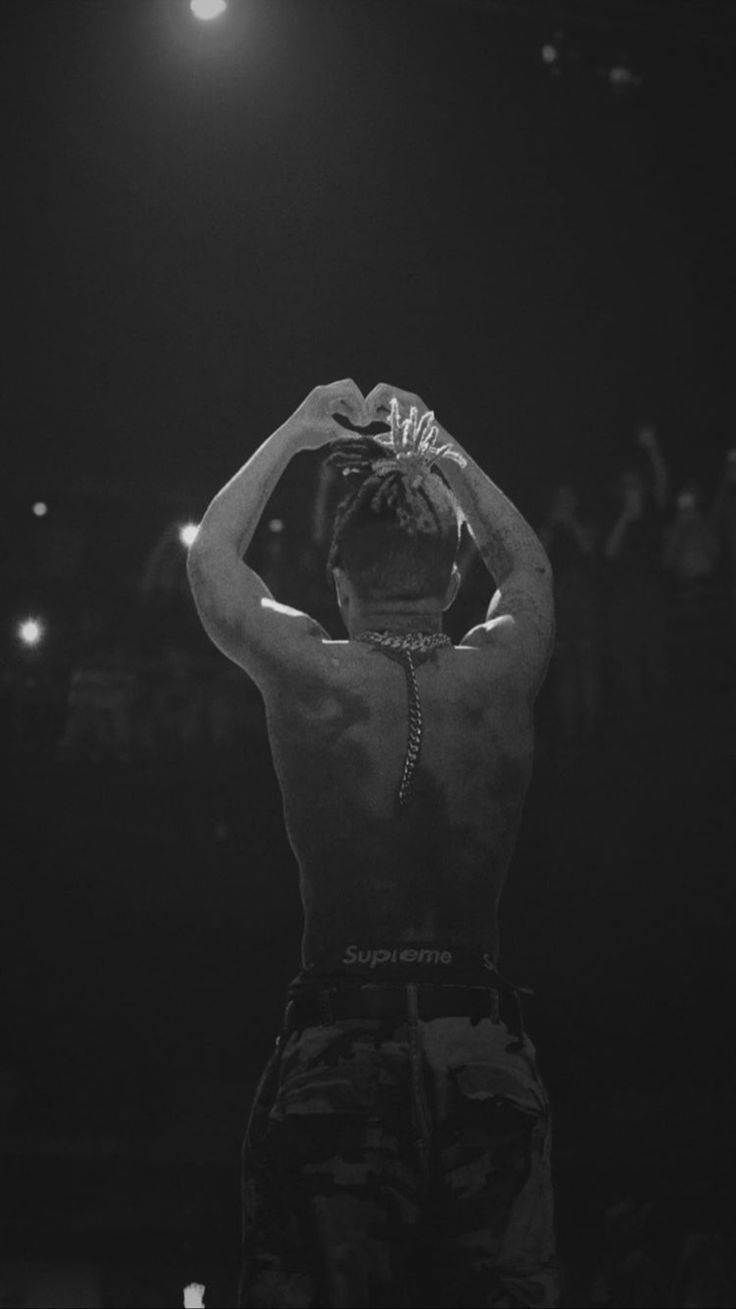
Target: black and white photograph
368, 654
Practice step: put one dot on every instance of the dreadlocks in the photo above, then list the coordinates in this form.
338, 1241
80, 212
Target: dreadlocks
396, 532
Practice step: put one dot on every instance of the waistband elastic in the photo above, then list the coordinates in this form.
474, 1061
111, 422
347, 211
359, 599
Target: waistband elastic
405, 961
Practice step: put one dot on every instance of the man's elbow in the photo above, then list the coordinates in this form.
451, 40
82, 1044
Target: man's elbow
201, 569
536, 561
194, 563
204, 553
202, 578
542, 570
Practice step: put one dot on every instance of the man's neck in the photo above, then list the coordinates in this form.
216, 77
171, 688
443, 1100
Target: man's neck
397, 622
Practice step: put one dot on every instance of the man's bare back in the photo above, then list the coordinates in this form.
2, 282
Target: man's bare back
402, 1067
337, 711
435, 870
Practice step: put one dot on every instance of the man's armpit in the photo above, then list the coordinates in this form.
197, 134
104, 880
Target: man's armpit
530, 606
519, 627
247, 624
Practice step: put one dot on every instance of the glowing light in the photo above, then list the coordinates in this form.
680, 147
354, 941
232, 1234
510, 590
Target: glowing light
549, 54
207, 9
40, 509
622, 78
276, 525
188, 534
30, 631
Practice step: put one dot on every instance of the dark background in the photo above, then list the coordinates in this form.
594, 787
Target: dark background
201, 222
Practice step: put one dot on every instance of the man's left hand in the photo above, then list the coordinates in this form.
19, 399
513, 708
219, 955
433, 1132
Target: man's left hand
315, 420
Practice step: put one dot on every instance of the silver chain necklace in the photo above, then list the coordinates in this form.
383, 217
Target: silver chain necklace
409, 649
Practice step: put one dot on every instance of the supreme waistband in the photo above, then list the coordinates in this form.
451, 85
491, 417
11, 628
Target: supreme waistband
404, 961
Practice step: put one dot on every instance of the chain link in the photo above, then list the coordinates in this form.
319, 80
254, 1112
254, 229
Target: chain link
404, 650
414, 743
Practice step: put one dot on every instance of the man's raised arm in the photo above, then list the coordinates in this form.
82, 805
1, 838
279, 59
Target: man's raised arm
520, 620
236, 608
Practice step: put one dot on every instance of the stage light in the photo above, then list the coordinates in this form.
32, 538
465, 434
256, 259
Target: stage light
40, 509
30, 631
188, 534
207, 9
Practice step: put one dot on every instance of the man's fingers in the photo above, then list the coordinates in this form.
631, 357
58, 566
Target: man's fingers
349, 397
382, 406
424, 425
378, 401
342, 421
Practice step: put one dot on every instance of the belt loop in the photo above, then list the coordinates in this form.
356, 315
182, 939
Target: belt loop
487, 1006
516, 1027
289, 1022
324, 1001
283, 1031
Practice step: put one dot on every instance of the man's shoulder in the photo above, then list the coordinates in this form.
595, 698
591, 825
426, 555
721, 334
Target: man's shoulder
316, 684
354, 677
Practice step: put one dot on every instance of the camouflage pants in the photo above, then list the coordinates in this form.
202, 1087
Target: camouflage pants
399, 1164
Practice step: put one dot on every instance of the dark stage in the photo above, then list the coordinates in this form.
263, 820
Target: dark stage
524, 213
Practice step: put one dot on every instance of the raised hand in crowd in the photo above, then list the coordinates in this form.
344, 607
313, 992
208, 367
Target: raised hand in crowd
631, 494
647, 440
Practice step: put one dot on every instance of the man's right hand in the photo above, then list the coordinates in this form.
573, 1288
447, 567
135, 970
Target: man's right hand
414, 427
378, 402
315, 419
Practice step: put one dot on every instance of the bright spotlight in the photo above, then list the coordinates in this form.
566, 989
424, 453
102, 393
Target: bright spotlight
40, 509
188, 534
30, 631
206, 9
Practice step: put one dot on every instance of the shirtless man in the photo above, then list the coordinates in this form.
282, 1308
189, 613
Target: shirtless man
397, 1151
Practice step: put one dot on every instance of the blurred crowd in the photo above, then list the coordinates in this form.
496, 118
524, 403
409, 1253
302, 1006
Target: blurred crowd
645, 595
645, 592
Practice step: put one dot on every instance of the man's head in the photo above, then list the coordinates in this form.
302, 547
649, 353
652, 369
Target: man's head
395, 536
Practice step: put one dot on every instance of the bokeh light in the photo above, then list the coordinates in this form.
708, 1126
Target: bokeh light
207, 9
31, 631
40, 509
188, 534
623, 78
